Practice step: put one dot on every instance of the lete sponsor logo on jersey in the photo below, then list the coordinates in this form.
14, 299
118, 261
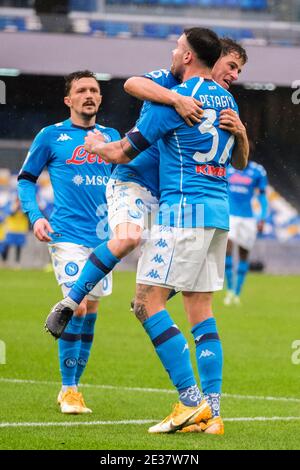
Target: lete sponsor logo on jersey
81, 156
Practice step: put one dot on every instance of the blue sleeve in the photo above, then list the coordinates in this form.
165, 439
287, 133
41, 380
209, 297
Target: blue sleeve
162, 77
27, 196
153, 125
37, 158
263, 201
262, 182
115, 135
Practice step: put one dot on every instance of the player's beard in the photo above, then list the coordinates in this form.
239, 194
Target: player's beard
177, 72
88, 115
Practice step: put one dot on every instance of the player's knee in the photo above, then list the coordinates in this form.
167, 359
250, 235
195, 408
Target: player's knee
127, 245
133, 242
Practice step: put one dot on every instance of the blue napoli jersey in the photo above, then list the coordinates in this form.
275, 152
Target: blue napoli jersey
144, 169
193, 160
78, 179
242, 187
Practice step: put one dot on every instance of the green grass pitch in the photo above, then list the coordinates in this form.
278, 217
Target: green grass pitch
257, 341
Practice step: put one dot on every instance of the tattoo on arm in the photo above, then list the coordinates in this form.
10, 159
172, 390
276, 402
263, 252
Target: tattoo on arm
127, 149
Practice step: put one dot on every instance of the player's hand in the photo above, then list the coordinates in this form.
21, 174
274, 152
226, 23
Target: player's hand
188, 108
230, 121
94, 141
41, 228
260, 226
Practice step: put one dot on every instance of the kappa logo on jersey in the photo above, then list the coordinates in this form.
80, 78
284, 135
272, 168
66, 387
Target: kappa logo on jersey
63, 138
81, 156
153, 274
165, 228
158, 259
71, 269
206, 353
161, 243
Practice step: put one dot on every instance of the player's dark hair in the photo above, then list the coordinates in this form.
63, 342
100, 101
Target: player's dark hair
205, 43
229, 45
77, 76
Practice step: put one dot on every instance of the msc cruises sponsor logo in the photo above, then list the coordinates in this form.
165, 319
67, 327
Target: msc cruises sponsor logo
90, 180
81, 156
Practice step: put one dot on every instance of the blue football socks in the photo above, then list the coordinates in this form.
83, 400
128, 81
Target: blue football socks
69, 346
242, 270
87, 336
173, 351
210, 361
229, 272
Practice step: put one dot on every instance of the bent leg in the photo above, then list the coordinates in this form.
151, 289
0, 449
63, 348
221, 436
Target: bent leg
168, 341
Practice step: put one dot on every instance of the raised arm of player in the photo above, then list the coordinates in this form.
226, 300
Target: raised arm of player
230, 121
145, 89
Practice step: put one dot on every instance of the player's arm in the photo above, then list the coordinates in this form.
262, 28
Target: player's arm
156, 122
120, 151
262, 199
35, 162
145, 89
230, 121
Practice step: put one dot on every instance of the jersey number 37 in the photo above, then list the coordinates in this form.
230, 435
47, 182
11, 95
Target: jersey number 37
207, 127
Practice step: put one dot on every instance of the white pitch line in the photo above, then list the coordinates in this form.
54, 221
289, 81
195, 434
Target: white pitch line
139, 422
79, 423
150, 390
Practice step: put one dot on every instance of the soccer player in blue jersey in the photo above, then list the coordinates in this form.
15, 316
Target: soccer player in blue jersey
187, 246
244, 225
78, 221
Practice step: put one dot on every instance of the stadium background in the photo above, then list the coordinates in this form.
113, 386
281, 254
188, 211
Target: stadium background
43, 40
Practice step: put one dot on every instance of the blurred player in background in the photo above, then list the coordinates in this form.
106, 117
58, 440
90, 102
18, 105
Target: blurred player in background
78, 221
5, 209
202, 186
244, 225
16, 229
